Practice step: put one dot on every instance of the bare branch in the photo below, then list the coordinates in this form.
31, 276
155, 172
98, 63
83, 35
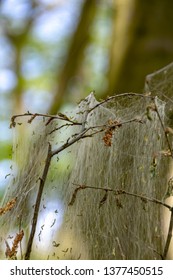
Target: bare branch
37, 204
120, 95
84, 133
59, 116
164, 128
169, 235
117, 192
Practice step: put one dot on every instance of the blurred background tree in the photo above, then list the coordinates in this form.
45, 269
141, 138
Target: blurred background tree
53, 53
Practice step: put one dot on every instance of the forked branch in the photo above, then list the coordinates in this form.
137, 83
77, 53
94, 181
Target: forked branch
87, 131
118, 192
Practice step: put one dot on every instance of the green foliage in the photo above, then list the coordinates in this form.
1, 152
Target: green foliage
5, 150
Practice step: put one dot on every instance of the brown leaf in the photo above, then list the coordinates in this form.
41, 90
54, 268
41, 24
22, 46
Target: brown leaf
11, 253
8, 206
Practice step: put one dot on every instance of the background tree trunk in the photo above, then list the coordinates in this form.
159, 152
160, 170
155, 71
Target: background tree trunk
142, 42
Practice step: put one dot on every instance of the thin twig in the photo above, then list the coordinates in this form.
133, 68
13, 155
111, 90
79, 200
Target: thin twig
169, 235
164, 129
169, 99
61, 116
70, 142
117, 192
42, 183
83, 134
120, 95
50, 118
64, 125
143, 197
37, 204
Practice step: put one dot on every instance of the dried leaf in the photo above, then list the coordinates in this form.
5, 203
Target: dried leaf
112, 126
8, 206
11, 253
